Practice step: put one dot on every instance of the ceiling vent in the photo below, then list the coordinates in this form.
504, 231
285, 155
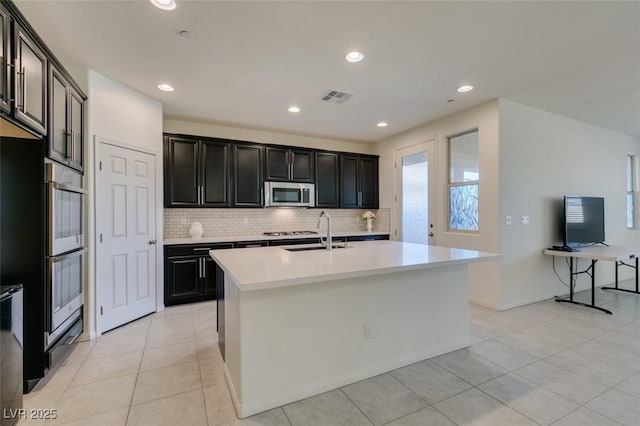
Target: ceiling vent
336, 97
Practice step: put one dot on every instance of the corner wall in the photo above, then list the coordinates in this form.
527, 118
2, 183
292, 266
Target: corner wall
544, 156
124, 116
484, 277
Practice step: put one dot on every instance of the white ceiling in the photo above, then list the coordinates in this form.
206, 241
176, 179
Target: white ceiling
246, 62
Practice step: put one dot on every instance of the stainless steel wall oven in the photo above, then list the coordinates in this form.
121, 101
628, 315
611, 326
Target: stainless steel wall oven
66, 250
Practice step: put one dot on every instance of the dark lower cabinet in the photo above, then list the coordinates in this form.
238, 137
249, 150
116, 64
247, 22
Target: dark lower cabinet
220, 308
368, 237
190, 274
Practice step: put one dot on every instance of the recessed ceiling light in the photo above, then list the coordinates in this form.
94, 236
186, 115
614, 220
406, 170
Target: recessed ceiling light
164, 4
294, 109
465, 88
382, 124
354, 56
165, 87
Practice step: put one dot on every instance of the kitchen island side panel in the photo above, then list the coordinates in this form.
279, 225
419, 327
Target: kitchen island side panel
289, 343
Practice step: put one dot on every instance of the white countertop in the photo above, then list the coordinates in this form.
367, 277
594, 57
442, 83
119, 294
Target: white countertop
271, 267
260, 237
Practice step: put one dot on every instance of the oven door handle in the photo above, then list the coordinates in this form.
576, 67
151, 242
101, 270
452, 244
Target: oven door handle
76, 253
65, 187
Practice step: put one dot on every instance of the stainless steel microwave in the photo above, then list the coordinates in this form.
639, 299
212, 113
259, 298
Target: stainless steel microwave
289, 194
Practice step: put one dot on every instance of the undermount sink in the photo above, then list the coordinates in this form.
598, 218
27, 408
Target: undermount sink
335, 246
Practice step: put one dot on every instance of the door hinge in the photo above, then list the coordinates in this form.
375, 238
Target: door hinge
100, 237
101, 311
100, 165
395, 198
395, 165
395, 232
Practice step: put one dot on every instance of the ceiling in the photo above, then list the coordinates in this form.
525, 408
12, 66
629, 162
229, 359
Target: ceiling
247, 62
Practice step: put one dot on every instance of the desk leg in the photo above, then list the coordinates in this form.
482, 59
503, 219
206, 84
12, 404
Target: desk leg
572, 282
624, 289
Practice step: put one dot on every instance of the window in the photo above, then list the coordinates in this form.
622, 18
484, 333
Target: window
631, 173
464, 176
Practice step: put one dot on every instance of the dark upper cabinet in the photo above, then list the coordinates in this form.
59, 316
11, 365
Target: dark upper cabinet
327, 180
215, 173
76, 125
30, 79
247, 176
368, 182
66, 121
196, 172
182, 181
289, 164
5, 60
358, 181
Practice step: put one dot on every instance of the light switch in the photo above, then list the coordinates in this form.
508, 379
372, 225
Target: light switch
507, 220
525, 220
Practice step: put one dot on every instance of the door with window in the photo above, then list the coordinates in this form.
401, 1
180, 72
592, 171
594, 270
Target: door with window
415, 178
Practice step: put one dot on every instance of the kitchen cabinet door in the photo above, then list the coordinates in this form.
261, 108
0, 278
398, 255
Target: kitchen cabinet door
220, 309
277, 164
30, 77
181, 172
215, 163
349, 191
368, 182
358, 181
59, 138
209, 282
327, 179
302, 162
5, 60
288, 165
248, 176
183, 279
76, 130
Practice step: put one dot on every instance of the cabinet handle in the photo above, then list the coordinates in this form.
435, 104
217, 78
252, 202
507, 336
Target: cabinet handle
202, 190
291, 170
73, 145
202, 249
201, 268
359, 199
21, 96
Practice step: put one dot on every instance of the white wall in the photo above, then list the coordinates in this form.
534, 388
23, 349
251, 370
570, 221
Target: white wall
121, 115
544, 156
264, 136
484, 278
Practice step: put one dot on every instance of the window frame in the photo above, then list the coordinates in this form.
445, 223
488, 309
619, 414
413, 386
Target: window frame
451, 184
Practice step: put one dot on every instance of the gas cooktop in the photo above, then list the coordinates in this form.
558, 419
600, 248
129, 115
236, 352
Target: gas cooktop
278, 234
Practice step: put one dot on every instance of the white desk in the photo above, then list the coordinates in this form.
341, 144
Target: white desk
618, 254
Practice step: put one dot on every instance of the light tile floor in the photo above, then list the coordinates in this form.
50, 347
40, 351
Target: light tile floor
545, 363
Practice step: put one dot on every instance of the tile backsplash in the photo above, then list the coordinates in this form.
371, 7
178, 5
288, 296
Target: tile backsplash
238, 222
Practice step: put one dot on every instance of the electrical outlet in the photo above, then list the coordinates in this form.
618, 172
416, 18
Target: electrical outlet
525, 220
368, 332
507, 220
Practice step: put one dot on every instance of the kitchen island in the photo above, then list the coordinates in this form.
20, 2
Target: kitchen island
298, 323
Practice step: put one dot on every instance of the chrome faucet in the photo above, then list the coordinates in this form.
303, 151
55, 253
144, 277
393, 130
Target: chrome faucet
329, 243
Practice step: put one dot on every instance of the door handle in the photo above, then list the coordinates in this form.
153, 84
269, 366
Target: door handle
153, 242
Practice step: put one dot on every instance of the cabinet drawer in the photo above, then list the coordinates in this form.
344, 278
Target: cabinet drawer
194, 249
247, 244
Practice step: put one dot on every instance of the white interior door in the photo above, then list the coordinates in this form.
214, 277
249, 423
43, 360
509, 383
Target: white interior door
126, 235
415, 181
